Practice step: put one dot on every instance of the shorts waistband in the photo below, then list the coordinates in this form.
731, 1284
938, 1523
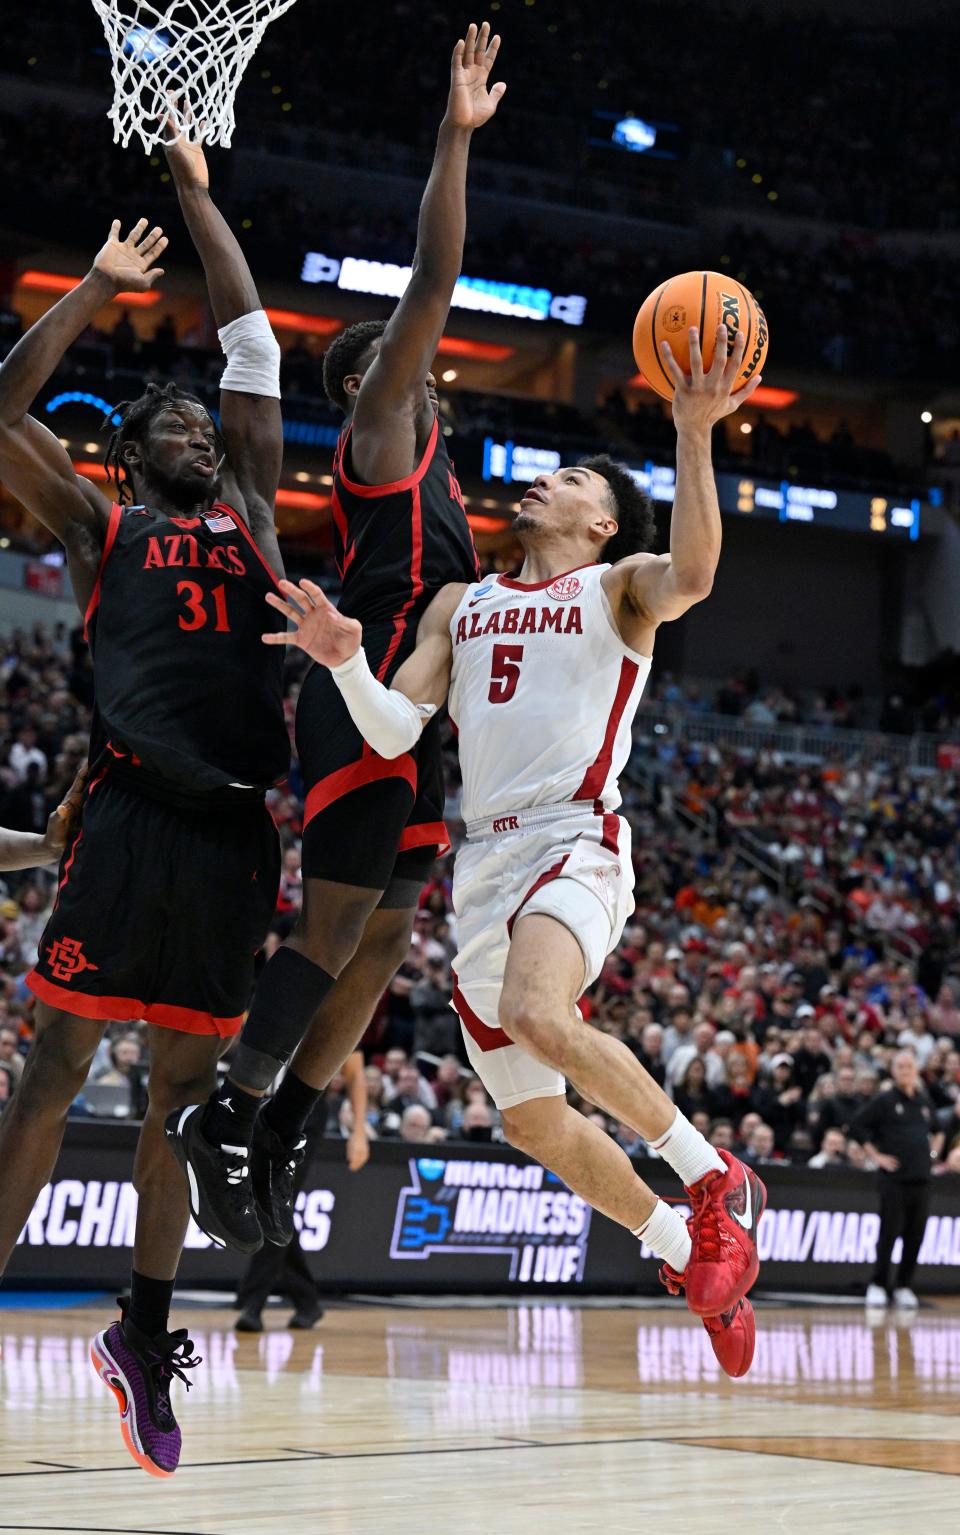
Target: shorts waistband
149, 785
527, 820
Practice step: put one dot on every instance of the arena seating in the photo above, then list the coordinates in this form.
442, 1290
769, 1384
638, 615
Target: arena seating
796, 921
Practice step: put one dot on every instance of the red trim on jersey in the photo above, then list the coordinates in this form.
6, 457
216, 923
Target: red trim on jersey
540, 586
242, 528
355, 776
538, 884
73, 851
598, 772
340, 523
416, 582
611, 830
481, 1033
392, 486
431, 833
113, 528
186, 1020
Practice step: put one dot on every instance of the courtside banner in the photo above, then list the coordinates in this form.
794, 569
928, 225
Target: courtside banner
464, 1217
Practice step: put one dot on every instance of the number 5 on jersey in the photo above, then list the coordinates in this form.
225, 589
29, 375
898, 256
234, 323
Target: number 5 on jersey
504, 672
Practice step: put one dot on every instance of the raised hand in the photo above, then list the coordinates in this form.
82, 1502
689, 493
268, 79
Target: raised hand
702, 399
129, 263
187, 161
471, 104
320, 630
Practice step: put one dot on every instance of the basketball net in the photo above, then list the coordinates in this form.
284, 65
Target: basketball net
182, 59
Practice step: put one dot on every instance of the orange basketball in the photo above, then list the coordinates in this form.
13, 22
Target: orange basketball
703, 299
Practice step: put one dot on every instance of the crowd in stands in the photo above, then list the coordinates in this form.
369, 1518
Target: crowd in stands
820, 133
768, 995
857, 161
928, 701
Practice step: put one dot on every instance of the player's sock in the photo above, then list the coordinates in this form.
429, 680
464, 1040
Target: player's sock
688, 1152
288, 994
665, 1233
290, 1107
150, 1300
229, 1116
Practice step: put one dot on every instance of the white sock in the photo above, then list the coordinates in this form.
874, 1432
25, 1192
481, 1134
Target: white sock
666, 1234
690, 1155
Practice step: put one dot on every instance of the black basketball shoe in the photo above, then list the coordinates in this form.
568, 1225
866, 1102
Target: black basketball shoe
275, 1163
221, 1189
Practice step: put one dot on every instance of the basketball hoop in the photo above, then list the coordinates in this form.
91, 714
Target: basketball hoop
182, 59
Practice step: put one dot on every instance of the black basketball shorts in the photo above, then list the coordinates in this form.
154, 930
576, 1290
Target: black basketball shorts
161, 909
367, 820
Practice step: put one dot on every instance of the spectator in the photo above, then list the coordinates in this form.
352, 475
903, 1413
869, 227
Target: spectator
722, 1134
477, 1123
411, 1088
10, 1058
415, 1123
781, 1103
833, 1150
760, 1148
895, 1128
839, 1110
649, 1051
701, 1045
811, 1060
691, 1094
25, 753
436, 1028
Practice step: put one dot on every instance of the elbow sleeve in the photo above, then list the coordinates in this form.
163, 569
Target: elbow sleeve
253, 356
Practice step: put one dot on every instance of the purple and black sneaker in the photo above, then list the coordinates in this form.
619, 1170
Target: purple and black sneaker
139, 1371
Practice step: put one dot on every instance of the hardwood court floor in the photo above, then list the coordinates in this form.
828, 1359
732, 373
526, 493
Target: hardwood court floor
396, 1421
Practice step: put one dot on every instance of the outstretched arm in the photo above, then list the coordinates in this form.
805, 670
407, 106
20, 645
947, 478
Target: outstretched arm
250, 419
392, 398
390, 719
28, 849
33, 463
647, 590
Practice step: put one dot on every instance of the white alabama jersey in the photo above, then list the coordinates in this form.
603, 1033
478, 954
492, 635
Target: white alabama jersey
543, 692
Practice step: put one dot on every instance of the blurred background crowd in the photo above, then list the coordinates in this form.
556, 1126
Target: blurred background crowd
797, 922
793, 789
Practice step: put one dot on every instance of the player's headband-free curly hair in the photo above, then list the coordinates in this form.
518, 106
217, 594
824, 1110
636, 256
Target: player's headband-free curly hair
636, 524
343, 356
135, 418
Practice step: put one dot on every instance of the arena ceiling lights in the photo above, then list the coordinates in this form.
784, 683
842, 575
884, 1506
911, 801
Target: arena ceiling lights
60, 282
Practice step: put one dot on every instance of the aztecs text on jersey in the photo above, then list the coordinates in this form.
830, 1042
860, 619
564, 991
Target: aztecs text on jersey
543, 692
182, 679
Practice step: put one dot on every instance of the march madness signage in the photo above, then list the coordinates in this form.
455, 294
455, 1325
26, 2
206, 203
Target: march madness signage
465, 1218
515, 1212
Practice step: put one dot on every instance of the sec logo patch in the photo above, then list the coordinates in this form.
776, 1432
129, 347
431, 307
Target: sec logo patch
565, 588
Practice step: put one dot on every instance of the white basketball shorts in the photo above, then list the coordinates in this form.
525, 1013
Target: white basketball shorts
568, 864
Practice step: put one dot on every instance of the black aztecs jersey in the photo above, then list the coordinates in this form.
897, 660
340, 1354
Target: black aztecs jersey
396, 545
182, 679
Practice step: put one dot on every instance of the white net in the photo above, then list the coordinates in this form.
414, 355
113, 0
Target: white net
182, 58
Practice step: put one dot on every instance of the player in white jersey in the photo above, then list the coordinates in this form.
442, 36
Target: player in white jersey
543, 672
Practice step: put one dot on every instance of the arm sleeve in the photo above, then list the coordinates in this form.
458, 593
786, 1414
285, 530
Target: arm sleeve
253, 356
387, 719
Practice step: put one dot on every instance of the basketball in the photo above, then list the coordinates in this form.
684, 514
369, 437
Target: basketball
704, 299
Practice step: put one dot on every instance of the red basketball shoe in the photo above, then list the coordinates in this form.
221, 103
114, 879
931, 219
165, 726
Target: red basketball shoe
723, 1261
733, 1336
